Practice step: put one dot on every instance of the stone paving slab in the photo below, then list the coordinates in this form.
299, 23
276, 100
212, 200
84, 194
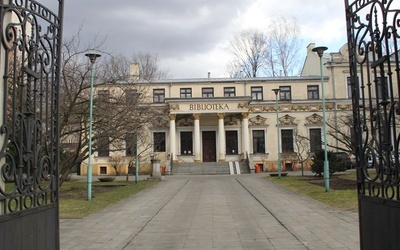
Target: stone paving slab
214, 212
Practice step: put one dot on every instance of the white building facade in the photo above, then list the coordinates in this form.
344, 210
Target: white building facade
234, 119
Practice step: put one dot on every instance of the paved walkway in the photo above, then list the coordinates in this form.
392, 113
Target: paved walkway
214, 212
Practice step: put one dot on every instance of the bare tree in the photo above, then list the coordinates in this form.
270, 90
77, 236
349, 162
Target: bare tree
117, 103
149, 66
340, 129
249, 51
302, 145
271, 53
284, 45
116, 161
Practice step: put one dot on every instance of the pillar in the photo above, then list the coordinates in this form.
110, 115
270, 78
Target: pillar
155, 163
197, 156
245, 135
172, 137
221, 137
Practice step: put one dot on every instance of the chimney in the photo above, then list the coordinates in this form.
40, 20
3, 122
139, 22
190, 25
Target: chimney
209, 74
134, 72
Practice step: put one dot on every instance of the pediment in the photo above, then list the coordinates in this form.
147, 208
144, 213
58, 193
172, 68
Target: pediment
185, 121
287, 120
314, 119
258, 120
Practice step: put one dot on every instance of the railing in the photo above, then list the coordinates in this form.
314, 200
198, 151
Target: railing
250, 164
171, 163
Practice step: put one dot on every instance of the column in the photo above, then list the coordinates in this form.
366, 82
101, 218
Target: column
197, 156
245, 135
221, 137
172, 137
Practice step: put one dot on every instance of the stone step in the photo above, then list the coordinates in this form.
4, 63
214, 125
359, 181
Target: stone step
205, 168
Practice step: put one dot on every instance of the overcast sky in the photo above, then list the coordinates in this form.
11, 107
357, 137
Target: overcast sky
191, 36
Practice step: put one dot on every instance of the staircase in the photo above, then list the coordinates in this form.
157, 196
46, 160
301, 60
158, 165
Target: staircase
206, 168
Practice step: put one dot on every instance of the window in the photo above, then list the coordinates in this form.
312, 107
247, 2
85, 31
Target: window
103, 170
383, 91
158, 95
285, 93
258, 141
313, 92
103, 147
159, 141
231, 142
349, 93
186, 143
131, 96
256, 93
229, 92
103, 95
315, 140
186, 93
287, 140
207, 92
130, 144
349, 88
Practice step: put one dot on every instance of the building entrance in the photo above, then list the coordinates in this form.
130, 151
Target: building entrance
209, 146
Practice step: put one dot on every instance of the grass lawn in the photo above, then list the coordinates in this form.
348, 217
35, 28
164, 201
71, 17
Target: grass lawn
340, 195
73, 196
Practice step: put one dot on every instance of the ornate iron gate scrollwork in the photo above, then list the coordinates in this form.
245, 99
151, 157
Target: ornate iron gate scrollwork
29, 137
373, 32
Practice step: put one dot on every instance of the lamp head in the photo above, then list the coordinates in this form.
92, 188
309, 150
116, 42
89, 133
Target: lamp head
92, 57
320, 50
276, 91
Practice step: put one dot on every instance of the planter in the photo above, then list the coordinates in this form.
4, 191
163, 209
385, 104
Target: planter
107, 179
277, 174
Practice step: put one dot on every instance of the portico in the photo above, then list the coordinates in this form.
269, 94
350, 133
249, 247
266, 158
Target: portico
199, 128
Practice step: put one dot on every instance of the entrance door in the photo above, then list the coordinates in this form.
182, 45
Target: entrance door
209, 146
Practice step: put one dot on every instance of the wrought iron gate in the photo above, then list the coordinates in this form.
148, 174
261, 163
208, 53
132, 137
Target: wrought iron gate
30, 47
373, 39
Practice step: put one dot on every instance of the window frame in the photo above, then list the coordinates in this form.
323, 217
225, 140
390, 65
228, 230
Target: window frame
130, 149
185, 92
314, 145
159, 145
313, 94
229, 91
101, 168
207, 92
103, 150
186, 146
287, 140
258, 146
130, 94
257, 93
158, 97
285, 93
380, 89
232, 142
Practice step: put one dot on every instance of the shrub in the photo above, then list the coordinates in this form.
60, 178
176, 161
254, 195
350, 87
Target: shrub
336, 164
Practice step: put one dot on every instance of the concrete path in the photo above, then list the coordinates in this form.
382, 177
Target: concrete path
214, 212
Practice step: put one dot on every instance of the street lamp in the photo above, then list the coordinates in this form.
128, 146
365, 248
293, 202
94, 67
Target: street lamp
277, 132
320, 51
92, 58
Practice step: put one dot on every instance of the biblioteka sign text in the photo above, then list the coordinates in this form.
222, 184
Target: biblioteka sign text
206, 106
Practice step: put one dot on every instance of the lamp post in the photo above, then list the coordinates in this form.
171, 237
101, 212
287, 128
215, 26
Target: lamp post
137, 157
277, 132
320, 51
92, 57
